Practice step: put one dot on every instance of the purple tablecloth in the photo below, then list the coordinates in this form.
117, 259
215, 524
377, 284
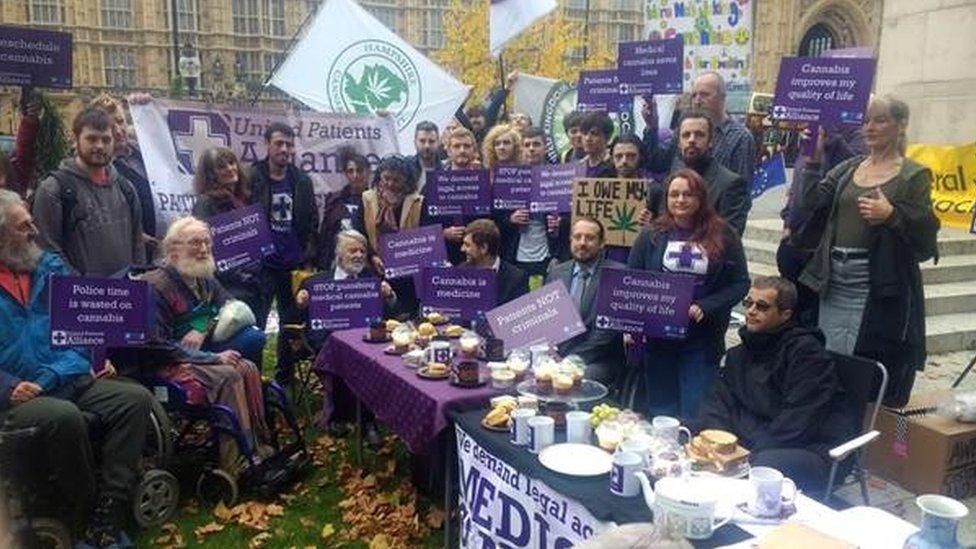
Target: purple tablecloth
413, 407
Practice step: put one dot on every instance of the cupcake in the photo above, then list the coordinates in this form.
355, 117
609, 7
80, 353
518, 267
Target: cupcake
501, 379
467, 372
543, 378
562, 383
377, 331
518, 367
577, 376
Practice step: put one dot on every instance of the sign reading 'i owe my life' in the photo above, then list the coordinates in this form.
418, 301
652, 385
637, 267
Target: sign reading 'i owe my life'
99, 312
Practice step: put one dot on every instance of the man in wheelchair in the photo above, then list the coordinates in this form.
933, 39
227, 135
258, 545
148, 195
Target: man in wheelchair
55, 390
779, 391
211, 339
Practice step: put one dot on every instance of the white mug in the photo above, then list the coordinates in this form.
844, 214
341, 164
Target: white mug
518, 426
669, 428
766, 497
578, 428
439, 351
623, 480
542, 433
639, 446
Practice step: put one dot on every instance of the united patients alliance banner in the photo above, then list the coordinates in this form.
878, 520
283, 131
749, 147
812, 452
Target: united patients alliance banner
172, 135
548, 102
347, 61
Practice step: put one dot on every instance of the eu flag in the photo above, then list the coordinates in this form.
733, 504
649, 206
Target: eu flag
771, 173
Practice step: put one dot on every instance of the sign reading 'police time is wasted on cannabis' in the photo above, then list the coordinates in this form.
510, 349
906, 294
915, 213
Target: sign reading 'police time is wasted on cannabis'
617, 203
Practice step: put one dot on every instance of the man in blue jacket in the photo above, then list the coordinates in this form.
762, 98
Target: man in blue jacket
54, 389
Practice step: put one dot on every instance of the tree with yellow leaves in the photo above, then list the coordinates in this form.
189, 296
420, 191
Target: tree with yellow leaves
543, 49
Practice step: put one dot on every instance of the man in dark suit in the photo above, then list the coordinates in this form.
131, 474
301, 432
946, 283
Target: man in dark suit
728, 191
602, 350
481, 245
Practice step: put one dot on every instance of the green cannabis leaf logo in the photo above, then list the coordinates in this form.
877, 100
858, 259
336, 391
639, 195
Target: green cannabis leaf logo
623, 219
378, 88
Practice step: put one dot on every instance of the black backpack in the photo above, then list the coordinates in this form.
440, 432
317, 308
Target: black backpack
68, 192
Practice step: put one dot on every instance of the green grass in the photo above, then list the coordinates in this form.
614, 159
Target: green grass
307, 510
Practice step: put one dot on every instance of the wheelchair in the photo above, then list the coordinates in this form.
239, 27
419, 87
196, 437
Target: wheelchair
190, 445
28, 500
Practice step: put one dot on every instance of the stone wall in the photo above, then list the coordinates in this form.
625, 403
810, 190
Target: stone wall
928, 58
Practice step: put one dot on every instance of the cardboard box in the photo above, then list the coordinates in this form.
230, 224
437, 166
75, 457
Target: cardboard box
925, 452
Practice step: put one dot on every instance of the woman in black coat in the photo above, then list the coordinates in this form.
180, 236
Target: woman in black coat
690, 239
221, 186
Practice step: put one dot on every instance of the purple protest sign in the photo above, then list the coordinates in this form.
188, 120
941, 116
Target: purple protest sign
600, 91
458, 192
823, 90
405, 252
654, 66
459, 293
33, 57
99, 312
552, 187
240, 237
644, 302
343, 304
511, 188
547, 315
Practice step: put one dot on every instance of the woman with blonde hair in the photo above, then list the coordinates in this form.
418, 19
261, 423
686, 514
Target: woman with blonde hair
871, 223
502, 147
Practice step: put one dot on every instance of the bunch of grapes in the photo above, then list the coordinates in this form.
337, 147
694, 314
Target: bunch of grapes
601, 413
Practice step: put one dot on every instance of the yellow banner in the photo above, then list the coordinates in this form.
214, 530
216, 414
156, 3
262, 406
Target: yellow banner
953, 181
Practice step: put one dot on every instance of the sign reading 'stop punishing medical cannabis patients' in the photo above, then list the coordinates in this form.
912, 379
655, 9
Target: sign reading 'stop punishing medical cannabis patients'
347, 61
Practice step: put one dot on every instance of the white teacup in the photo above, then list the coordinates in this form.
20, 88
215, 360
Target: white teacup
766, 497
669, 428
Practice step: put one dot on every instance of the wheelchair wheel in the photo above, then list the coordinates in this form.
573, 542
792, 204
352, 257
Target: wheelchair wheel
49, 533
156, 498
159, 439
216, 485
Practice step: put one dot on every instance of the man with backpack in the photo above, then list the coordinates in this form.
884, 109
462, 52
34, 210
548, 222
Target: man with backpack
85, 210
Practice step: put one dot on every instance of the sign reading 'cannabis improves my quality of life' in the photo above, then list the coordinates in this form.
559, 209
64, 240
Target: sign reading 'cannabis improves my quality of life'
617, 203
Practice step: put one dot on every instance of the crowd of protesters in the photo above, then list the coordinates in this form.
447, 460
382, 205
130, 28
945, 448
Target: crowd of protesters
857, 229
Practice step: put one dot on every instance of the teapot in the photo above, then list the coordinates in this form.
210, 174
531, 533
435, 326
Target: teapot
684, 507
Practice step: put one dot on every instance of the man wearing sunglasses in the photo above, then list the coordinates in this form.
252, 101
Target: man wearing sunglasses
778, 391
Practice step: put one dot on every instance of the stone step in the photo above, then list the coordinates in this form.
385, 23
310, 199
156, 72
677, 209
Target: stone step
951, 268
950, 298
951, 332
952, 241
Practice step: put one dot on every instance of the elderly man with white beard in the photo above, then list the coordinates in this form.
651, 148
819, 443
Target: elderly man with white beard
53, 389
350, 263
188, 300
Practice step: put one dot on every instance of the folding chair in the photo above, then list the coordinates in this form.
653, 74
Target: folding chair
859, 377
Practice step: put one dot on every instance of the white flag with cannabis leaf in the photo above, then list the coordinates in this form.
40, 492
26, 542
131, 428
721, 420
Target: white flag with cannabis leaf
347, 61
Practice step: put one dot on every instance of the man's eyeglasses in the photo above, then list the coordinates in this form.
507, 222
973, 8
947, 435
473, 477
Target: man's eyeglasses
198, 243
760, 305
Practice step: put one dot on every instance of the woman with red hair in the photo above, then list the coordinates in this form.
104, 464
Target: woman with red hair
690, 239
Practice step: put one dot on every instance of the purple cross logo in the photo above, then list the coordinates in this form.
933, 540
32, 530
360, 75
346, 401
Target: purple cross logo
281, 209
194, 132
686, 257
